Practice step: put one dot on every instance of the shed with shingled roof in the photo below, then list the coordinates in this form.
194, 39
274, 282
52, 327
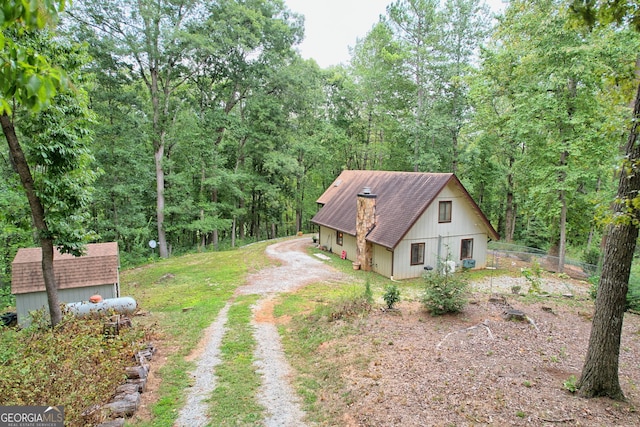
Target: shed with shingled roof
78, 278
400, 223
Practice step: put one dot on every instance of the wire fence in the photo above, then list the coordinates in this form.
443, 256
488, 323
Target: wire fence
506, 256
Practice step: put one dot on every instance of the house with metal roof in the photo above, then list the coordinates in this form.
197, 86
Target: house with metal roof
78, 278
399, 224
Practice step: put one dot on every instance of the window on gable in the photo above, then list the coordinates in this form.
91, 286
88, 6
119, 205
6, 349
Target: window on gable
339, 238
444, 211
417, 253
466, 249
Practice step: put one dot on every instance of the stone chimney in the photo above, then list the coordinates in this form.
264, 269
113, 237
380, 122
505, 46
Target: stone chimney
365, 222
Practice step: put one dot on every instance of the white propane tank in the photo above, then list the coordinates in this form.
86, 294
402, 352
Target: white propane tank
123, 305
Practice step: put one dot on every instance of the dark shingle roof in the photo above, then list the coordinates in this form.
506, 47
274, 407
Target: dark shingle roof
98, 266
402, 198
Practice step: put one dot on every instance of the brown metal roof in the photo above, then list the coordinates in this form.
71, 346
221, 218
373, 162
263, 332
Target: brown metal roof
402, 198
98, 266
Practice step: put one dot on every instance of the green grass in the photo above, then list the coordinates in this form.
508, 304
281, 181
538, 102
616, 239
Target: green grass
199, 283
233, 402
182, 296
310, 309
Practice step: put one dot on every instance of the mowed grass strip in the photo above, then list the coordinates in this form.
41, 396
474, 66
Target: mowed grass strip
234, 401
304, 334
183, 296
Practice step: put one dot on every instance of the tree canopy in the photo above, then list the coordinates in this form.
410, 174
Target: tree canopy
200, 126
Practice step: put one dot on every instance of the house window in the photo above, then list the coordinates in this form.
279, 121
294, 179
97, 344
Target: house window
417, 253
466, 249
339, 238
444, 212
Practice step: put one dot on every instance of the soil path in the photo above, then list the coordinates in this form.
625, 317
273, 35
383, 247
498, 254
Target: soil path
195, 410
295, 269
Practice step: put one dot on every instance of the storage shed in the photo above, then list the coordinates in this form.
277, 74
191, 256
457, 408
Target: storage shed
78, 278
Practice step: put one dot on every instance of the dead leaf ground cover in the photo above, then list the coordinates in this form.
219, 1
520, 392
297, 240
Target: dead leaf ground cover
408, 368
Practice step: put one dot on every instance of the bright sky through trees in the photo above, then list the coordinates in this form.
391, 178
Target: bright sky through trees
332, 26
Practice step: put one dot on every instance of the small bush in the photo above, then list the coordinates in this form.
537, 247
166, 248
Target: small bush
591, 258
347, 306
534, 277
444, 293
368, 294
391, 295
593, 289
571, 384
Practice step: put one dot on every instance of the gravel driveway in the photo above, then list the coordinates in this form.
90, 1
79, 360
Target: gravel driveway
283, 408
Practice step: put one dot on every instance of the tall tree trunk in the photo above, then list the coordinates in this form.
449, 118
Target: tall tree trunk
158, 146
593, 227
38, 216
299, 198
563, 231
562, 197
454, 148
162, 237
510, 214
600, 371
233, 232
572, 92
418, 133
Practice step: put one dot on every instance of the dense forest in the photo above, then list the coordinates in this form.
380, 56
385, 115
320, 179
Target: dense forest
198, 125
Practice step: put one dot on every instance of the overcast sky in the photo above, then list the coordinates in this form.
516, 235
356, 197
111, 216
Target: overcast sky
332, 26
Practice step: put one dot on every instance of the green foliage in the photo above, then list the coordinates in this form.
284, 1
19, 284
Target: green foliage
571, 384
349, 304
368, 293
391, 295
7, 299
633, 296
444, 293
591, 258
593, 286
234, 397
533, 275
15, 226
72, 365
26, 74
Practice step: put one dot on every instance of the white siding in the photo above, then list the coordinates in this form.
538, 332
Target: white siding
382, 260
327, 238
442, 240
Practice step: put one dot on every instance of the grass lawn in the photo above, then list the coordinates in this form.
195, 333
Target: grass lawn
178, 299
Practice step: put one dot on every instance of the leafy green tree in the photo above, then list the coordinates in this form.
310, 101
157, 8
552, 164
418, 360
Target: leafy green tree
235, 96
382, 91
600, 371
547, 116
148, 37
29, 79
415, 23
466, 26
